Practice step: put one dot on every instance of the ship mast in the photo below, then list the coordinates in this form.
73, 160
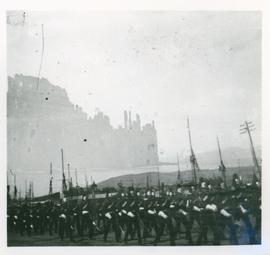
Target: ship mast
222, 167
69, 178
178, 169
76, 177
193, 160
51, 179
64, 184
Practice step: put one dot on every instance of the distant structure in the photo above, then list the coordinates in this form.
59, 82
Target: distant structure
42, 121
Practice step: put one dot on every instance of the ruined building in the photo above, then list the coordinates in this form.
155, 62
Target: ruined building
41, 121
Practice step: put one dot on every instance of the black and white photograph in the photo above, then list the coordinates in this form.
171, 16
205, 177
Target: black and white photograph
133, 128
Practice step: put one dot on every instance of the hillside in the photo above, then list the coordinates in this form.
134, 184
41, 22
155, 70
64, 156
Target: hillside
139, 180
232, 157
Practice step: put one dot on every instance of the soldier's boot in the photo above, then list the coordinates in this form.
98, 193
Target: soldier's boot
71, 238
188, 232
90, 230
129, 231
106, 231
146, 230
29, 230
250, 230
139, 236
216, 234
202, 237
172, 233
233, 234
61, 234
51, 229
79, 231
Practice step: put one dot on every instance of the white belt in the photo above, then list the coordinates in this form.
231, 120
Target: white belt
225, 213
163, 215
108, 215
130, 214
151, 212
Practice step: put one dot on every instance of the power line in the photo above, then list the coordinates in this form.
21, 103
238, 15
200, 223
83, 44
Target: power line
41, 59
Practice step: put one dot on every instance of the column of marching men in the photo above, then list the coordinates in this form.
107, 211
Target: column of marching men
201, 215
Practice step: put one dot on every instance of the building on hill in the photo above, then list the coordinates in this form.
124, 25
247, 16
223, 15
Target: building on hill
41, 121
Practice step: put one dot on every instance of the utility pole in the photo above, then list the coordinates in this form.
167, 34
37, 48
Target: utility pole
64, 184
222, 167
51, 179
178, 170
247, 127
193, 160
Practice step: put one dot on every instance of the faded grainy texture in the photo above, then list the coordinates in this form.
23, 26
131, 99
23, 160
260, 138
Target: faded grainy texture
134, 128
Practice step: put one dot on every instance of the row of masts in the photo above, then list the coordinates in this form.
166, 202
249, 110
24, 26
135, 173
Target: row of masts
247, 127
17, 194
67, 184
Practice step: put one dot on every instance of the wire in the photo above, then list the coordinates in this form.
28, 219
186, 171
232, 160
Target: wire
41, 59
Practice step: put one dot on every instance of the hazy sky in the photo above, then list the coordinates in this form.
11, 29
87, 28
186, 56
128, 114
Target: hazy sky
162, 65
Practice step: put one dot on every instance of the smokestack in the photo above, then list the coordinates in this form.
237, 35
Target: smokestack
129, 120
153, 124
138, 120
125, 120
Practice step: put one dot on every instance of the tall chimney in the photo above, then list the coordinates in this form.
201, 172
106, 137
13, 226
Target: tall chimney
125, 120
138, 120
129, 120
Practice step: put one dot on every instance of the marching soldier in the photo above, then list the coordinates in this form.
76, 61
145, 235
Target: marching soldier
62, 223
